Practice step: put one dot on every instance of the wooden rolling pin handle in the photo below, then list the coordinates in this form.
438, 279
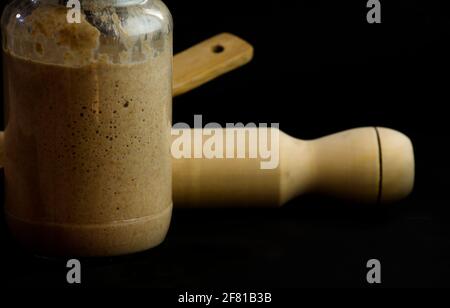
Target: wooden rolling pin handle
365, 165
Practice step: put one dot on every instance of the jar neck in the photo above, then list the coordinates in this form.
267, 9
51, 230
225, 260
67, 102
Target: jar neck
117, 2
109, 2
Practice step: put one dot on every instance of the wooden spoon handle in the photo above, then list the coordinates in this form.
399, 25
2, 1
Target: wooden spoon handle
208, 60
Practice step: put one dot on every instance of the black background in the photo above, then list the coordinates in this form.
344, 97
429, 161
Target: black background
319, 68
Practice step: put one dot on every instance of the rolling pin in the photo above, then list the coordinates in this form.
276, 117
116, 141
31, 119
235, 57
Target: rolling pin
364, 165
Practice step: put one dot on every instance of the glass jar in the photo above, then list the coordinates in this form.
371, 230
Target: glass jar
88, 109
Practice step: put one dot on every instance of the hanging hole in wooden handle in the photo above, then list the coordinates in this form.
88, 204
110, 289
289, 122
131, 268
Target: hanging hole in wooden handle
218, 49
208, 60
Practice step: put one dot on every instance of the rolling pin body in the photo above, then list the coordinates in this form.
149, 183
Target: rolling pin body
365, 165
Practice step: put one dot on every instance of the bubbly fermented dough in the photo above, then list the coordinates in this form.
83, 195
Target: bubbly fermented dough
88, 167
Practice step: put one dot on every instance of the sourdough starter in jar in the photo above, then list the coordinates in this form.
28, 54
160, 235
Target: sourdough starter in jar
88, 167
